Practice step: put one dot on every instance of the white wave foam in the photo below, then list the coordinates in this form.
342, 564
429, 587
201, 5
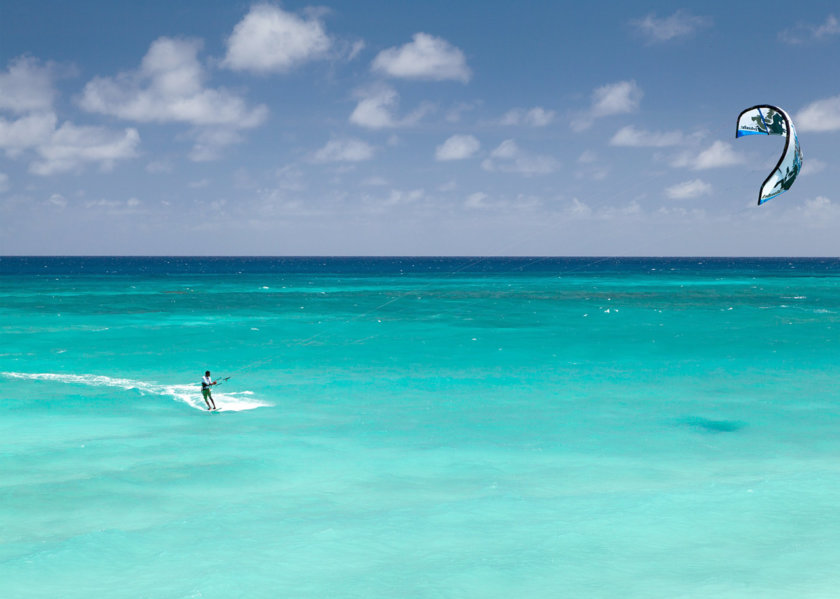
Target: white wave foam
188, 394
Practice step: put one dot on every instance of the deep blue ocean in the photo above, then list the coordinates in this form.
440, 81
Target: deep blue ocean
419, 427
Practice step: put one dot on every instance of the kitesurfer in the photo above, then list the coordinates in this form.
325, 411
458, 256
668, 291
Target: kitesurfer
206, 383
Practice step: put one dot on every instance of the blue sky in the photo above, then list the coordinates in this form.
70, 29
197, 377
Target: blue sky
413, 128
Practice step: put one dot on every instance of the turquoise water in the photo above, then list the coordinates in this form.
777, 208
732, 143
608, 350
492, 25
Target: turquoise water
419, 428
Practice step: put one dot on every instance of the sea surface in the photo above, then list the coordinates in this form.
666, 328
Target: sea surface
420, 428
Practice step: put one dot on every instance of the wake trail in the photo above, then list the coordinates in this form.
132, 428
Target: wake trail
189, 394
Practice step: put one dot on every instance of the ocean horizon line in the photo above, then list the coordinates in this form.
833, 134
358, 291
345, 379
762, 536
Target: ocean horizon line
426, 256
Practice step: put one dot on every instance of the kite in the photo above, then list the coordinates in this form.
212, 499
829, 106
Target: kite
771, 120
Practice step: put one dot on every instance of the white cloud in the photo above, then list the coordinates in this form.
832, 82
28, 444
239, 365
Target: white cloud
454, 113
211, 141
803, 33
344, 150
377, 106
169, 87
71, 146
535, 117
26, 89
510, 158
159, 166
830, 27
590, 167
688, 189
65, 148
425, 57
588, 157
404, 197
719, 154
820, 212
822, 115
57, 200
375, 182
26, 132
355, 49
268, 39
290, 178
679, 24
115, 207
457, 147
476, 200
396, 197
818, 203
629, 136
812, 166
4, 182
26, 86
615, 98
579, 209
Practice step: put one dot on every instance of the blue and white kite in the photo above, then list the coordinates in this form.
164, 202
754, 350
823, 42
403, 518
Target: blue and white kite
771, 120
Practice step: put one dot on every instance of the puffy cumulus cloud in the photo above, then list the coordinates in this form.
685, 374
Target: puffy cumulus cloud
26, 86
822, 115
67, 147
26, 132
622, 97
344, 150
457, 147
169, 87
271, 40
508, 157
71, 146
616, 98
719, 154
688, 190
629, 136
377, 109
425, 57
535, 117
803, 33
679, 25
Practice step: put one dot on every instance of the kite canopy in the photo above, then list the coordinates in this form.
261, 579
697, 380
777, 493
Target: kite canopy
771, 120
